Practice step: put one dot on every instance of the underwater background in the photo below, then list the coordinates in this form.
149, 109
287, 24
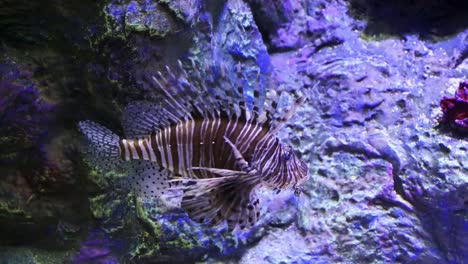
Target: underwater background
384, 131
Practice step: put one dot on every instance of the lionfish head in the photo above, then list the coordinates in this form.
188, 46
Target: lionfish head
296, 169
290, 170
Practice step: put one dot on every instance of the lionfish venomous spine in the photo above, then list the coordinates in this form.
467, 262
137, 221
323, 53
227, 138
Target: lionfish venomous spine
206, 139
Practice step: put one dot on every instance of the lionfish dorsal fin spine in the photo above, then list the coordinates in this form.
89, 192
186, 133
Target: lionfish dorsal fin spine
220, 93
278, 122
270, 107
229, 93
257, 100
244, 112
197, 99
178, 109
141, 118
186, 94
205, 99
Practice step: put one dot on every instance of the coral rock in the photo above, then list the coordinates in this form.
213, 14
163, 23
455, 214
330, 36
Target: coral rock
455, 109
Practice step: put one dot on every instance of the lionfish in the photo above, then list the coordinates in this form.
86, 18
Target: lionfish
207, 139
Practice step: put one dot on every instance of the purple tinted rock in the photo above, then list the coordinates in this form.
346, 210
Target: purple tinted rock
23, 120
139, 16
185, 10
96, 248
270, 15
90, 253
235, 38
288, 25
157, 18
388, 179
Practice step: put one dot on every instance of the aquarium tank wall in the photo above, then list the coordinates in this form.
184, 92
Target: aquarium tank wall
233, 131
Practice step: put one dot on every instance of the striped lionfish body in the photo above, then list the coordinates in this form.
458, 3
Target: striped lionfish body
206, 141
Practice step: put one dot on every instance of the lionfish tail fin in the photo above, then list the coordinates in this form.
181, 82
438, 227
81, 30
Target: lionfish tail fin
231, 197
102, 146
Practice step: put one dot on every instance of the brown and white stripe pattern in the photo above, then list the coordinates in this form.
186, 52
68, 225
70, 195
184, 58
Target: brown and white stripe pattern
278, 165
200, 143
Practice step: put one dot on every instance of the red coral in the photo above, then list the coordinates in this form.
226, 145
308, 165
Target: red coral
455, 109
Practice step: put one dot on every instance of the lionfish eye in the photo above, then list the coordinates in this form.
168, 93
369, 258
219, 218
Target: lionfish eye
287, 155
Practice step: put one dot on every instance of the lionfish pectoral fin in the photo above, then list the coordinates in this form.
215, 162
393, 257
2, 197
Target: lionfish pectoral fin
221, 172
239, 159
230, 198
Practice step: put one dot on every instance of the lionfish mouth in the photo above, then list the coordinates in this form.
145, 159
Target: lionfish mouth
301, 180
297, 190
